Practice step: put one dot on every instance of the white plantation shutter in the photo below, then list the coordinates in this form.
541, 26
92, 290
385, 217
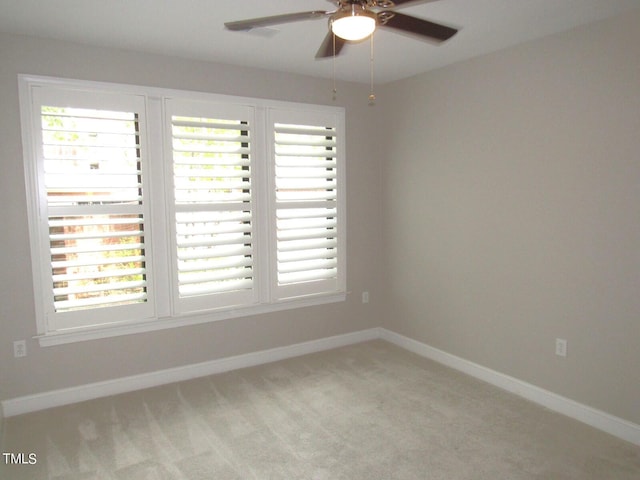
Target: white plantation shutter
245, 199
307, 203
89, 152
211, 150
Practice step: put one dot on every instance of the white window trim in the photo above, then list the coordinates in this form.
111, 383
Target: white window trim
159, 218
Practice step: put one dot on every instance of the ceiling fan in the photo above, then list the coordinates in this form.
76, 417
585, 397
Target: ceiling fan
355, 20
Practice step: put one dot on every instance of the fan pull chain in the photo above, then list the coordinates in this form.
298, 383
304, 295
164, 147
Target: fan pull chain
372, 95
335, 90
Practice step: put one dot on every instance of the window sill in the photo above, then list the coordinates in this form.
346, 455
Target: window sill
95, 333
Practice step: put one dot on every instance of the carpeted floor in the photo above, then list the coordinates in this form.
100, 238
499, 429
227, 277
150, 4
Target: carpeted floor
368, 411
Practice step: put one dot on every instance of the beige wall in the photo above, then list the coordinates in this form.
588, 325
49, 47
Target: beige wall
511, 201
62, 366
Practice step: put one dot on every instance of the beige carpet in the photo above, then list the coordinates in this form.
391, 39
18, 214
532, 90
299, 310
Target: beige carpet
369, 411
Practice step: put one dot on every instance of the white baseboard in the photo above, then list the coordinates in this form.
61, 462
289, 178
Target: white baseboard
596, 418
66, 396
608, 423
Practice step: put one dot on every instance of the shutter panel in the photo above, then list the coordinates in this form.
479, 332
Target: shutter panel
91, 161
213, 205
306, 174
92, 196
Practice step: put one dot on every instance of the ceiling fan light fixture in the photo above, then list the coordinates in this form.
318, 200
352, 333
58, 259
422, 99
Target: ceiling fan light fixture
353, 23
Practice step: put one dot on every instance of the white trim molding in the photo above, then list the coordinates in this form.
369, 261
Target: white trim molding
596, 418
67, 396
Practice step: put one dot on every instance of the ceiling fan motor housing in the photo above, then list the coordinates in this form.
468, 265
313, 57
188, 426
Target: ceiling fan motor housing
366, 3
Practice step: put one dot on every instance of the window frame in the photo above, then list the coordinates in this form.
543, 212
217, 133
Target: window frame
158, 209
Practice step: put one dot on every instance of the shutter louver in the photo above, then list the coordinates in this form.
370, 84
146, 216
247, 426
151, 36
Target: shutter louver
93, 181
213, 211
306, 207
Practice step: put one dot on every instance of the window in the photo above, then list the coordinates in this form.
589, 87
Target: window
213, 208
305, 198
155, 208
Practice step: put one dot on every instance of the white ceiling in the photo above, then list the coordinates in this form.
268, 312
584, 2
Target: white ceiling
195, 29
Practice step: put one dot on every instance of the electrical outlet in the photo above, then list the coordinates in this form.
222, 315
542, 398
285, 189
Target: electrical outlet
19, 348
365, 297
561, 347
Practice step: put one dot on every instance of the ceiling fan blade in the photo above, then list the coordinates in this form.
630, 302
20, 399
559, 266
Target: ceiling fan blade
244, 25
416, 26
326, 49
